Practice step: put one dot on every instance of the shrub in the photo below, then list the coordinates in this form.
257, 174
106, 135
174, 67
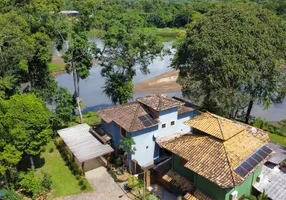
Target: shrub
43, 149
119, 171
132, 182
75, 169
30, 184
152, 197
119, 161
51, 150
59, 142
47, 181
12, 195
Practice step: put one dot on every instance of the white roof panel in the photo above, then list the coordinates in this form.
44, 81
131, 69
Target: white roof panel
82, 143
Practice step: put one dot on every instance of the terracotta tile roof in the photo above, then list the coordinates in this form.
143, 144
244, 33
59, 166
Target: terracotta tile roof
159, 102
186, 106
198, 195
215, 125
214, 158
177, 180
127, 116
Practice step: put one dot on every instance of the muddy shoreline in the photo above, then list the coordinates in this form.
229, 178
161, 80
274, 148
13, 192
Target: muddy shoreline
163, 83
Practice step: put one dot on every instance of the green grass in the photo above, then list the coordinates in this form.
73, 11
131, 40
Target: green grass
53, 67
64, 182
88, 118
166, 34
277, 139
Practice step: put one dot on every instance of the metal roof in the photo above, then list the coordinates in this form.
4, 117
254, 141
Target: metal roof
273, 182
82, 143
280, 153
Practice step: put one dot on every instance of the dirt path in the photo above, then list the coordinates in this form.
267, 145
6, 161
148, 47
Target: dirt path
160, 84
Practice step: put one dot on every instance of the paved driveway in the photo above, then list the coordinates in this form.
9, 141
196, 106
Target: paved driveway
105, 188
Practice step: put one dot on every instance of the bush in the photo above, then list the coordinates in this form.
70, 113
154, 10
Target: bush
119, 171
75, 169
12, 195
47, 181
59, 142
152, 197
43, 150
51, 150
119, 161
132, 182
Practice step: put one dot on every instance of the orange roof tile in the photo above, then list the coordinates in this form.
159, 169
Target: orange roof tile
127, 116
215, 125
177, 180
215, 158
198, 195
159, 102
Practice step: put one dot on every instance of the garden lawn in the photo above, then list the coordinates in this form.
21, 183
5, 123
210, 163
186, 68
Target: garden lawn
277, 139
88, 118
64, 182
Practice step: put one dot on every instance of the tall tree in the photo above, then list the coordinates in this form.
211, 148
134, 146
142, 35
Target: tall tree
78, 58
123, 49
25, 123
232, 58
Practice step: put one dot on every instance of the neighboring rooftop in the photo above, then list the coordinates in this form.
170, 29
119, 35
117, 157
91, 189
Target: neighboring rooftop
130, 116
82, 143
134, 116
273, 182
198, 195
218, 155
280, 153
159, 102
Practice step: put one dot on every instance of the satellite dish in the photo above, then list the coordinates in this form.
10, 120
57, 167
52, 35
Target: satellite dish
254, 130
155, 136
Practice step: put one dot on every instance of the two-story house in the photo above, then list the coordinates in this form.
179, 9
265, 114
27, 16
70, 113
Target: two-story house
145, 120
220, 160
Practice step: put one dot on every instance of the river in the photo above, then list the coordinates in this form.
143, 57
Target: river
93, 97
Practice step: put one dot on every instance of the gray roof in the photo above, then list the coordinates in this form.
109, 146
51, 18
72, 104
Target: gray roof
82, 143
280, 153
273, 182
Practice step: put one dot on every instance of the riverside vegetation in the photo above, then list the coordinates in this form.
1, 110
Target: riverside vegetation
230, 72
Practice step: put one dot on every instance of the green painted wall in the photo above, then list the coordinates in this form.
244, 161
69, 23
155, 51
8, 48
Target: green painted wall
182, 170
211, 189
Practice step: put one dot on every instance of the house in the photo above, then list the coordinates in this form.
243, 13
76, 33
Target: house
220, 160
145, 120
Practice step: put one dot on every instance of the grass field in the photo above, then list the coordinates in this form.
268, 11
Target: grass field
164, 34
88, 118
277, 139
53, 67
64, 182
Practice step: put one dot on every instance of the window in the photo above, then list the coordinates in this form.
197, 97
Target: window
172, 123
164, 125
123, 132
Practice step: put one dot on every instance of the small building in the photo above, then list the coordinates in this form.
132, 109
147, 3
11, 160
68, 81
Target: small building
280, 154
86, 147
145, 120
221, 160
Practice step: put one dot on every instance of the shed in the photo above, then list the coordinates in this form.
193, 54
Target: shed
83, 144
280, 153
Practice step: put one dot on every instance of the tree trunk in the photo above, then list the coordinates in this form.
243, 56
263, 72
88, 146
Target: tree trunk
32, 162
77, 99
247, 116
79, 110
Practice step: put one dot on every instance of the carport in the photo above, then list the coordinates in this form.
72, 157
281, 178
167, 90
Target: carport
85, 144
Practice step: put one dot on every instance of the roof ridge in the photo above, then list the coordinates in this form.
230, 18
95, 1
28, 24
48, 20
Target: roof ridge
229, 164
159, 104
134, 118
219, 124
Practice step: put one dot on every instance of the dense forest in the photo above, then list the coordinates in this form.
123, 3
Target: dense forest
231, 54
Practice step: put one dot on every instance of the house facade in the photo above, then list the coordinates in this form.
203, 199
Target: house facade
221, 160
146, 120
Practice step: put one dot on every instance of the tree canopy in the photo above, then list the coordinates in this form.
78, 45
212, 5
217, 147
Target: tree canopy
233, 57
